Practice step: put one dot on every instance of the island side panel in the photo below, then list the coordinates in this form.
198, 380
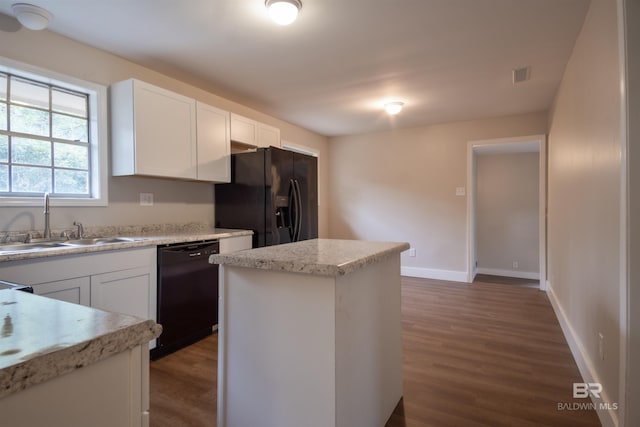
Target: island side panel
368, 344
276, 349
102, 394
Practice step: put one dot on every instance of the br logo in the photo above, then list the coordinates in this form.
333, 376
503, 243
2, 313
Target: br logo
582, 390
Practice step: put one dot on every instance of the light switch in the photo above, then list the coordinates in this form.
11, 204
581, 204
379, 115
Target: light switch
460, 191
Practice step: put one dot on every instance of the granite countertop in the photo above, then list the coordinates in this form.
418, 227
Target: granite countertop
153, 237
42, 338
324, 257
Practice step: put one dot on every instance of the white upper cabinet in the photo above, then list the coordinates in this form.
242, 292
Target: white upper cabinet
213, 147
153, 131
268, 136
156, 132
250, 132
243, 130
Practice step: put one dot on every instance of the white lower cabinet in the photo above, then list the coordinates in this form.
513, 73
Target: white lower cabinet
125, 292
123, 281
108, 393
76, 290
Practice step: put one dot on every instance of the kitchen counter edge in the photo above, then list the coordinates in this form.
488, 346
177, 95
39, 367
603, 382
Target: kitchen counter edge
34, 361
144, 241
323, 257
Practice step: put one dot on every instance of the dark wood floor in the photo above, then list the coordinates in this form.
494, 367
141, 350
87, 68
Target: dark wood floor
486, 354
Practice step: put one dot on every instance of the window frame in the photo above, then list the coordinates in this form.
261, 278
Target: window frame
98, 135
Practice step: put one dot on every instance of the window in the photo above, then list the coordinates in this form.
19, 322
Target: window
52, 139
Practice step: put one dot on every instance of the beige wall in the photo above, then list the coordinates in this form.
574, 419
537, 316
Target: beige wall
507, 215
584, 175
175, 201
401, 185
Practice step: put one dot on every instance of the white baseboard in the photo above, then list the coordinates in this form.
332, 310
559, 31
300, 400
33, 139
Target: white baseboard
608, 418
510, 273
432, 273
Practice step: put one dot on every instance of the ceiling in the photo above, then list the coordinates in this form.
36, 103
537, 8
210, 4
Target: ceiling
330, 71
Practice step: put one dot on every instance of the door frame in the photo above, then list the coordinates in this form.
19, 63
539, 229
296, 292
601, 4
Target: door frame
507, 145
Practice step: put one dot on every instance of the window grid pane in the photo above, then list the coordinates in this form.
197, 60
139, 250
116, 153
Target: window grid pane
70, 128
4, 149
30, 151
28, 121
4, 177
29, 93
69, 103
3, 116
3, 87
44, 139
27, 179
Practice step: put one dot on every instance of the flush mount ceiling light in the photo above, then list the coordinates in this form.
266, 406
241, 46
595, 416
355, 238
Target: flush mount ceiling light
394, 107
31, 17
283, 12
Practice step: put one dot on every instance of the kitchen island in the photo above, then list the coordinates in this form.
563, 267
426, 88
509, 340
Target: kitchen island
310, 334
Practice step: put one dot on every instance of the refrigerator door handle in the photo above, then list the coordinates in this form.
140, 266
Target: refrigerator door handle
298, 210
292, 205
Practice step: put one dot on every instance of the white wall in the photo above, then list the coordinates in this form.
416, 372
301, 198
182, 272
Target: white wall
401, 185
175, 201
584, 175
507, 215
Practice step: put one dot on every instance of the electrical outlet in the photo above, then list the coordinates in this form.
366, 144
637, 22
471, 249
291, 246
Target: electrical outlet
460, 191
146, 199
515, 265
412, 252
601, 345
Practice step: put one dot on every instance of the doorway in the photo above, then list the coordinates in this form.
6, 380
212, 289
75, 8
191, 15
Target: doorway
535, 143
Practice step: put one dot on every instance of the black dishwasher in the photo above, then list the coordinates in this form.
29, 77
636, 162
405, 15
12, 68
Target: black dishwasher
187, 294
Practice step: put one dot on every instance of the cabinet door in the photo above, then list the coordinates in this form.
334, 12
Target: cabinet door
268, 136
126, 292
165, 132
243, 130
214, 145
76, 290
164, 126
232, 244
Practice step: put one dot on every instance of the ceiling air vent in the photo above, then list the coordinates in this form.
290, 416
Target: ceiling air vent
521, 74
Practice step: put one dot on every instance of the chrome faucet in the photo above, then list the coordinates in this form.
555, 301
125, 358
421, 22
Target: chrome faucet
80, 232
47, 229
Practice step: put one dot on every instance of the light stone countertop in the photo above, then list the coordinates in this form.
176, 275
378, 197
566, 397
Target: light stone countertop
42, 338
323, 257
143, 238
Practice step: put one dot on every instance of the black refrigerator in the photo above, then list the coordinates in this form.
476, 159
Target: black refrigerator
274, 193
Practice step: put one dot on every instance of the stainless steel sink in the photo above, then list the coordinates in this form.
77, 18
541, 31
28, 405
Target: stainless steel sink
42, 245
99, 241
21, 247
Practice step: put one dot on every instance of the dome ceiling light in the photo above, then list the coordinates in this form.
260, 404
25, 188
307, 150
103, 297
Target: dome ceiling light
32, 17
283, 12
394, 107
